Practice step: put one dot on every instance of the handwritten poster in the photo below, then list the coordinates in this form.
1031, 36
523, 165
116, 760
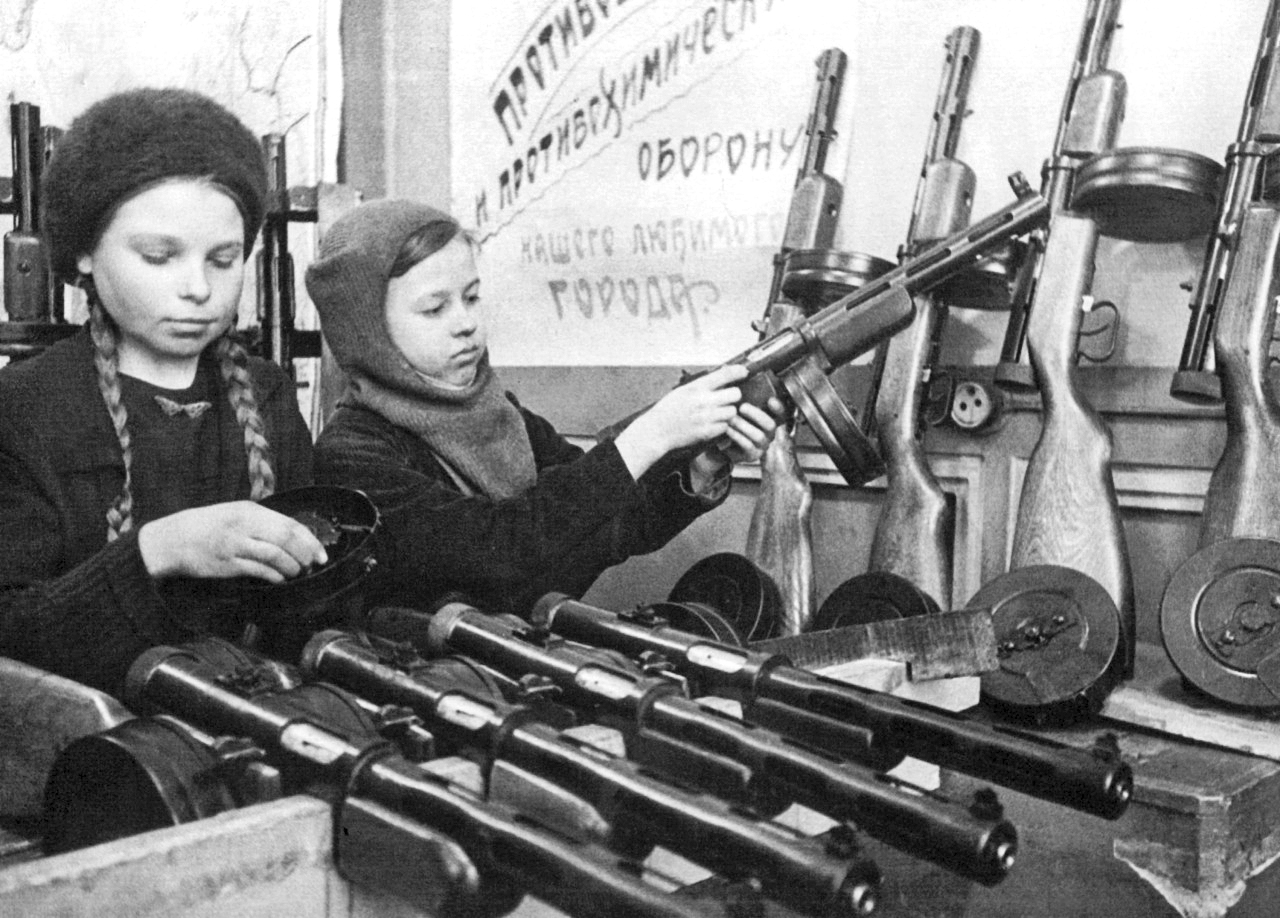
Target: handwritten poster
627, 187
628, 164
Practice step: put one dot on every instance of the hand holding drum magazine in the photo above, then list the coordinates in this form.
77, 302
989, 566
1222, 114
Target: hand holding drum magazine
123, 511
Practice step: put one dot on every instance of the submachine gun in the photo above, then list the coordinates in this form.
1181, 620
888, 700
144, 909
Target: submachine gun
398, 824
1246, 159
793, 364
1219, 617
818, 877
910, 570
1064, 614
32, 299
842, 718
779, 537
738, 760
280, 341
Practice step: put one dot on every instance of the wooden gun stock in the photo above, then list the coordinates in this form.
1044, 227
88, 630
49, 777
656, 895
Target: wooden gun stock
914, 532
780, 536
1068, 524
1068, 514
1218, 614
1241, 501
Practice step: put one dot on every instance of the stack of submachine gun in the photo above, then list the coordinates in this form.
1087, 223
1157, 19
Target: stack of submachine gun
473, 759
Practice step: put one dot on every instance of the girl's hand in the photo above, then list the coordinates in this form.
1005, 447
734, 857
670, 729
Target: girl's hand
237, 539
697, 412
748, 436
751, 431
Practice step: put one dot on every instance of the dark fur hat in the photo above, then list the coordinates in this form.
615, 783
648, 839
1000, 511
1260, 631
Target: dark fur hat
127, 142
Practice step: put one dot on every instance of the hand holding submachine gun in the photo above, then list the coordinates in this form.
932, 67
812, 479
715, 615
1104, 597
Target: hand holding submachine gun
792, 365
738, 760
1064, 614
1218, 616
238, 729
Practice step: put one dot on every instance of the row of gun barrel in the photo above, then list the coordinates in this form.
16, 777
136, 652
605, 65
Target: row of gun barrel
368, 715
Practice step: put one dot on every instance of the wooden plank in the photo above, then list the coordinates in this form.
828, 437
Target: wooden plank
266, 860
937, 646
1157, 700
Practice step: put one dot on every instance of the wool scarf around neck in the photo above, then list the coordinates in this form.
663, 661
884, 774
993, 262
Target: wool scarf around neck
477, 430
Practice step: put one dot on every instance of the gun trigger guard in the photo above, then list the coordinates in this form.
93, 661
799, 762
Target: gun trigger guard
1110, 326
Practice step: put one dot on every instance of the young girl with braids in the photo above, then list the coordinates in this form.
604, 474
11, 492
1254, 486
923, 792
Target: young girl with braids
132, 452
477, 494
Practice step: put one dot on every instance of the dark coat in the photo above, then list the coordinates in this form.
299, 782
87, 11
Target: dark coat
584, 514
70, 602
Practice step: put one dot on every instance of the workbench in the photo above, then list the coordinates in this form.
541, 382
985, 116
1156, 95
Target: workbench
1199, 840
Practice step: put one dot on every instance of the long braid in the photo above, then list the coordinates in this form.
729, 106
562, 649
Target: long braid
106, 361
233, 361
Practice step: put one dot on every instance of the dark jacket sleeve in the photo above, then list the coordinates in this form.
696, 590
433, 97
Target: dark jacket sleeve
584, 514
69, 603
87, 622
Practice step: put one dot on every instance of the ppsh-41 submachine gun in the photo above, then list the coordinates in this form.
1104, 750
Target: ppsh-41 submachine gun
635, 808
1064, 614
911, 549
731, 758
793, 364
32, 299
1219, 616
779, 537
843, 718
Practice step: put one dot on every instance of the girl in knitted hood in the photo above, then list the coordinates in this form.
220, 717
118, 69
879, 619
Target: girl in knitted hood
479, 495
132, 452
